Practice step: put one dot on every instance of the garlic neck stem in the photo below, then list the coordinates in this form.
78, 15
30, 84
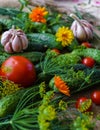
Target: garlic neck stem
13, 26
76, 18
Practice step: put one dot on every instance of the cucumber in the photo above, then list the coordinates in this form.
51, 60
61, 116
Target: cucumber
22, 98
32, 56
88, 52
9, 102
42, 41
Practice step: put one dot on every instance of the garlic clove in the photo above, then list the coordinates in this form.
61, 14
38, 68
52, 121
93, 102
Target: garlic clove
74, 26
5, 37
88, 33
8, 48
80, 33
87, 24
16, 44
24, 41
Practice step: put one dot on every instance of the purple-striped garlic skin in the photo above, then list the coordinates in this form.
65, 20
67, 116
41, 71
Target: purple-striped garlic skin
14, 41
82, 29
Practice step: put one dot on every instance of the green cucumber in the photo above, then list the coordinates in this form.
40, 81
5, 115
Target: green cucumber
42, 41
9, 102
88, 52
32, 56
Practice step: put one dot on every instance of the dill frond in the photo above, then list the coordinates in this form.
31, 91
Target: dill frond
7, 87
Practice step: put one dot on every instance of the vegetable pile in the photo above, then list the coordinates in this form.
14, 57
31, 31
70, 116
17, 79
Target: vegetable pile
45, 58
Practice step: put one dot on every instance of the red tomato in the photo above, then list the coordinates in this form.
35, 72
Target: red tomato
95, 96
86, 44
19, 70
88, 61
56, 50
79, 103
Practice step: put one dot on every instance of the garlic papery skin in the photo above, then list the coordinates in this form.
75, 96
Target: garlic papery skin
82, 29
14, 40
8, 48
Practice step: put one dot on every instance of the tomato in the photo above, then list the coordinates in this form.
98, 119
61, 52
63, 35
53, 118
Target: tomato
19, 70
95, 96
88, 61
86, 44
82, 102
56, 50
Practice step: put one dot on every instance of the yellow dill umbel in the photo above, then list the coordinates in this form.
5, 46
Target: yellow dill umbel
65, 36
7, 87
85, 105
62, 105
47, 112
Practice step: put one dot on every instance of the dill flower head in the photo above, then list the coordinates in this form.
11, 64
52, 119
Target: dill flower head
84, 107
42, 89
38, 14
64, 35
83, 122
47, 112
62, 105
61, 85
7, 87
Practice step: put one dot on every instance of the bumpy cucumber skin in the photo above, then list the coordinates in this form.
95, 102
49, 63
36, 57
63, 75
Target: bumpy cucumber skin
42, 41
89, 52
34, 56
9, 103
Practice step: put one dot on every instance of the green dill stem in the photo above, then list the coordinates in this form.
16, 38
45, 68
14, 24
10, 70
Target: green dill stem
21, 8
71, 102
4, 123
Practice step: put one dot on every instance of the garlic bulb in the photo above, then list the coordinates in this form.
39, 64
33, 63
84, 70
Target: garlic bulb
14, 40
82, 29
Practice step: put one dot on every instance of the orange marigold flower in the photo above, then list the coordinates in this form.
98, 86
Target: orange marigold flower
38, 14
61, 85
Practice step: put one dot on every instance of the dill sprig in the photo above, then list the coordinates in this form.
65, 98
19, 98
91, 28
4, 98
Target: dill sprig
7, 87
25, 115
47, 113
50, 112
56, 64
83, 122
78, 77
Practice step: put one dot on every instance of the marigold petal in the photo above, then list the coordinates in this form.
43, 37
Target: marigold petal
61, 85
37, 14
